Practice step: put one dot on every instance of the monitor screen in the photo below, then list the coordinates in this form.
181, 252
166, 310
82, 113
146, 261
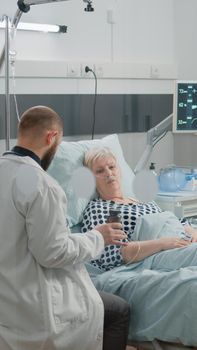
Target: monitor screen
185, 107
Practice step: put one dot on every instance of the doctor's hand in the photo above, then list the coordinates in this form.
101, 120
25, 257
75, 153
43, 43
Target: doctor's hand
112, 233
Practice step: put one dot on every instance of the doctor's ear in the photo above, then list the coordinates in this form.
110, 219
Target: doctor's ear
51, 136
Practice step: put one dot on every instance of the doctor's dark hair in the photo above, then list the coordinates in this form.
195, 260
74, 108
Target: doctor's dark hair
38, 119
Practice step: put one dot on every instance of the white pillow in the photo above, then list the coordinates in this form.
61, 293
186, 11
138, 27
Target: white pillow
69, 158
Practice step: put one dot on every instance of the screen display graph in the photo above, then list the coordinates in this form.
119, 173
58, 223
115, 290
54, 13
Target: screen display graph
185, 107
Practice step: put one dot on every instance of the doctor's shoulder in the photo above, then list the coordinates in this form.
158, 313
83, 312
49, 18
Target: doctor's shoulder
30, 181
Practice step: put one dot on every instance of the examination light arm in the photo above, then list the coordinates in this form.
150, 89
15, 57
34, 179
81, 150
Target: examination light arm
153, 136
23, 6
37, 2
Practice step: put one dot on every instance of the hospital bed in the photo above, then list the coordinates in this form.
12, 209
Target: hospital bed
151, 323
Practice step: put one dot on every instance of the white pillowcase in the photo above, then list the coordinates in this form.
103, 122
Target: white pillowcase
69, 158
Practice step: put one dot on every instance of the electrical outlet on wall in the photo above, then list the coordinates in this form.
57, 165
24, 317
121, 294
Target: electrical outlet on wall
111, 16
73, 70
154, 71
98, 69
85, 74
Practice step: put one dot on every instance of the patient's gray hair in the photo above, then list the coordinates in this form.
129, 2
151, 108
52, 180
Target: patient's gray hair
97, 153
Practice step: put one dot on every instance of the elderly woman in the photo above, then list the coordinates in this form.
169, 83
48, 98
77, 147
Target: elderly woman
104, 166
158, 277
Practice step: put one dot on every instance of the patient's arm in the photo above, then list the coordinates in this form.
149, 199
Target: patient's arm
136, 251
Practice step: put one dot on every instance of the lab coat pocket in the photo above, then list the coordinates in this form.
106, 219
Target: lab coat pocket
70, 303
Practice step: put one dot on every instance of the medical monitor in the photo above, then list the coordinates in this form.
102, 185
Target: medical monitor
185, 107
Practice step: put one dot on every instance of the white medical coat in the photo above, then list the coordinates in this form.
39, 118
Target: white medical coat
47, 300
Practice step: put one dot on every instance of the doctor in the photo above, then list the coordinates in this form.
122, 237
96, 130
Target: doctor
47, 300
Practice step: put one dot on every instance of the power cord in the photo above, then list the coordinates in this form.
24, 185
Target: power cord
87, 69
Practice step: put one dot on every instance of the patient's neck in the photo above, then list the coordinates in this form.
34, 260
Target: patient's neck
117, 196
109, 194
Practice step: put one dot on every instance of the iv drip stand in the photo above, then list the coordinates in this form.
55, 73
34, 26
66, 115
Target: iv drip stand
25, 6
5, 57
7, 85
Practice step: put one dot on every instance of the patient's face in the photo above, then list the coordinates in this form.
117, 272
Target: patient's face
107, 173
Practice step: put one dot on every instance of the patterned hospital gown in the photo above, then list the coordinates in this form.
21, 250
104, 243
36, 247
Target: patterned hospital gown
96, 213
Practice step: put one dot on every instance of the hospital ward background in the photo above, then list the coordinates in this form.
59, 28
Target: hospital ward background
122, 75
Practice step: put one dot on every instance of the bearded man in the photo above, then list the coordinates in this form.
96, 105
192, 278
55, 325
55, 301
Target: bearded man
47, 300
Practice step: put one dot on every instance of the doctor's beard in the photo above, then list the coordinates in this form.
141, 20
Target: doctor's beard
48, 156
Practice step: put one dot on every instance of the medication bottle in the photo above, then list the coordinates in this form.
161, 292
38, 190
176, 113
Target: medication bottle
172, 179
152, 168
114, 216
191, 178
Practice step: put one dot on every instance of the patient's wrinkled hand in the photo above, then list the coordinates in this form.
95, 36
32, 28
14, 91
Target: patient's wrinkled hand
194, 236
173, 242
112, 233
192, 231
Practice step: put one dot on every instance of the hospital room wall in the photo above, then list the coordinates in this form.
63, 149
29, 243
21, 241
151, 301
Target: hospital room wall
145, 40
141, 32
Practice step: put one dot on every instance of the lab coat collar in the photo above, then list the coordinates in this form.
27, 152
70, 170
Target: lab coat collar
23, 152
